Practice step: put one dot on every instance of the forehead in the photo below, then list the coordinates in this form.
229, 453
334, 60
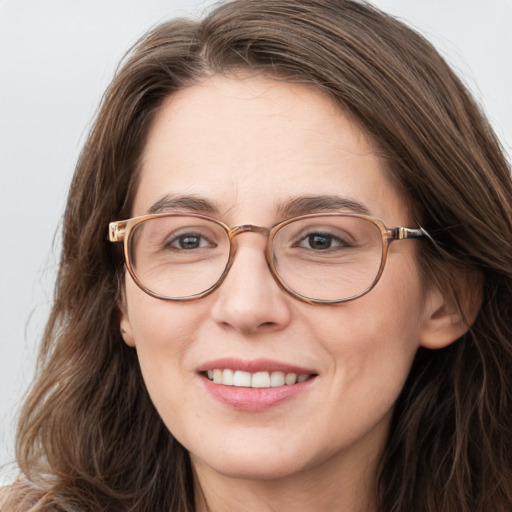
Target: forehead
249, 145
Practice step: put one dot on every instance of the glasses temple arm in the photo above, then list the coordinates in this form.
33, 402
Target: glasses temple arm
407, 233
116, 231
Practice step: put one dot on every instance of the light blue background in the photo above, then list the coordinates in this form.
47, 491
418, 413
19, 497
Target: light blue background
56, 58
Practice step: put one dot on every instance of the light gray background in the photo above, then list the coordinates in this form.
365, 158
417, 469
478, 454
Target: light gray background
56, 58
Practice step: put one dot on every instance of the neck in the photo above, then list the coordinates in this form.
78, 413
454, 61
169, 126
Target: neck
331, 487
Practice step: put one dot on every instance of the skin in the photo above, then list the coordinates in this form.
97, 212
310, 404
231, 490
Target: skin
248, 145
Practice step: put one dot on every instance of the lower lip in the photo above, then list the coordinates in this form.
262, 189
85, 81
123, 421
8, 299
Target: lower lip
255, 399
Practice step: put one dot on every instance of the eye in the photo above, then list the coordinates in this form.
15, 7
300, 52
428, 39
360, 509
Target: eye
188, 241
322, 241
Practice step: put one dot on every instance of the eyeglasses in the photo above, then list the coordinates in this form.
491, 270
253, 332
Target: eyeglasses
322, 258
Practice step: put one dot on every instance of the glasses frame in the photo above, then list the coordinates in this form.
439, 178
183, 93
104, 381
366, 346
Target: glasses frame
120, 231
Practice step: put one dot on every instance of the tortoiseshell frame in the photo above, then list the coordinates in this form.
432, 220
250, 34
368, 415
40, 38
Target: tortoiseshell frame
119, 231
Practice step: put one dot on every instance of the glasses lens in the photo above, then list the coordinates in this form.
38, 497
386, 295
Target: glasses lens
328, 257
178, 256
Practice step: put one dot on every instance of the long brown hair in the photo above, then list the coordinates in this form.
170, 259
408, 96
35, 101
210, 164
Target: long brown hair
89, 437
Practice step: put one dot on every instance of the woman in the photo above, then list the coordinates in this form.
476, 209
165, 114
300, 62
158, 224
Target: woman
312, 310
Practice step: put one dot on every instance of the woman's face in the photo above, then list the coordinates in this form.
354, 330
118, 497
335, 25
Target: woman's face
247, 148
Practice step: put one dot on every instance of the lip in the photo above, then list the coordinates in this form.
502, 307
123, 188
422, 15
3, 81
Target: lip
255, 365
254, 399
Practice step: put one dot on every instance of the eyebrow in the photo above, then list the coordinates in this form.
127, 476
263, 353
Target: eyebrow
323, 203
291, 208
194, 204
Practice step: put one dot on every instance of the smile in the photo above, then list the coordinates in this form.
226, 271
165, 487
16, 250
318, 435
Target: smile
262, 379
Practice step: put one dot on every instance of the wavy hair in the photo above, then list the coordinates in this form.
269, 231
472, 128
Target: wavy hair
89, 437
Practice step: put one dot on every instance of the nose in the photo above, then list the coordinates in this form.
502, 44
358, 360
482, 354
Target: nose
249, 300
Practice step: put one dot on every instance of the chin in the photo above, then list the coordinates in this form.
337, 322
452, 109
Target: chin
253, 468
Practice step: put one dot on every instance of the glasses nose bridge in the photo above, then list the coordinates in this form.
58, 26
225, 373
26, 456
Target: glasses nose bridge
248, 228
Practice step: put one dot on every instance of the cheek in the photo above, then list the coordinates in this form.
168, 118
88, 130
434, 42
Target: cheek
162, 332
373, 340
157, 324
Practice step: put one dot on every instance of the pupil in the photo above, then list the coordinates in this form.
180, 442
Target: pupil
189, 242
319, 242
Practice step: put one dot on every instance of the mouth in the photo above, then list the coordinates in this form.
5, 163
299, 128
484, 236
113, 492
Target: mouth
255, 385
260, 379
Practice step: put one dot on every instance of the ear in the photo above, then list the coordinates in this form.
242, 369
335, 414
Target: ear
125, 325
446, 318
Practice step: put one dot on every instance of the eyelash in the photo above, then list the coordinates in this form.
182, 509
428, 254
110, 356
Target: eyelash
341, 242
169, 243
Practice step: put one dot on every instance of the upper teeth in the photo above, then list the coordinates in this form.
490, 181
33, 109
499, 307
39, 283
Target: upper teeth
254, 380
